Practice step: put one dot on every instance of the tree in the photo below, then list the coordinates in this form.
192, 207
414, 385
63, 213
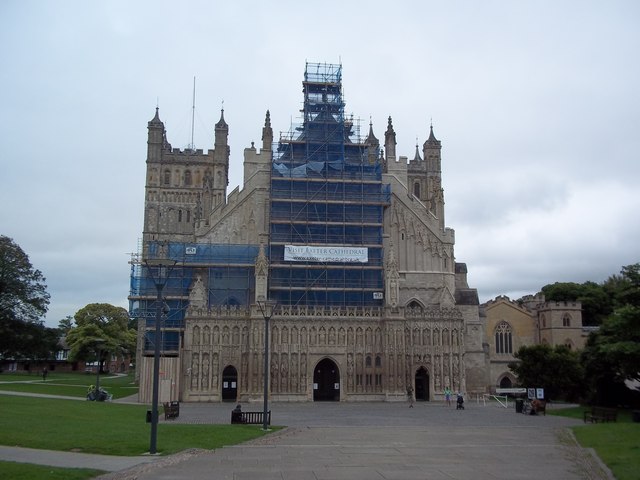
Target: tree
612, 354
23, 302
65, 324
629, 293
101, 329
556, 369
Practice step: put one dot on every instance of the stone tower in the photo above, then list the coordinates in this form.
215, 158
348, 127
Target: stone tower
182, 186
425, 176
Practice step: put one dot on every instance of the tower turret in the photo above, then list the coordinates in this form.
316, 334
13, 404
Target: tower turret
220, 162
155, 138
425, 176
431, 150
390, 142
373, 145
222, 130
267, 133
416, 157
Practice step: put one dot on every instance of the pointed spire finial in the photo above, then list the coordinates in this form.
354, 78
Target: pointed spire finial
221, 123
417, 157
371, 138
156, 117
432, 140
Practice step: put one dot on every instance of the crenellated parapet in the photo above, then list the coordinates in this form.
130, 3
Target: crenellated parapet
562, 305
220, 311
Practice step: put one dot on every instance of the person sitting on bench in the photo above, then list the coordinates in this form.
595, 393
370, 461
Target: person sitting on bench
536, 405
236, 415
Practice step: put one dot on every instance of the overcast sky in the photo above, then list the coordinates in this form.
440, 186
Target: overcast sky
536, 103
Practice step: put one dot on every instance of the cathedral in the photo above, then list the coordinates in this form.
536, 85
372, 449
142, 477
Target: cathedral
331, 270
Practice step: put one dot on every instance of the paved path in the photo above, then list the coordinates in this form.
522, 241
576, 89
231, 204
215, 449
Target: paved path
107, 463
386, 441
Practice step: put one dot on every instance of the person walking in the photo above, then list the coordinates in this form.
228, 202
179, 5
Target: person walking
410, 397
447, 396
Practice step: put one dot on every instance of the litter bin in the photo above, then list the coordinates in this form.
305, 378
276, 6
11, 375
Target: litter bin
148, 416
635, 416
519, 405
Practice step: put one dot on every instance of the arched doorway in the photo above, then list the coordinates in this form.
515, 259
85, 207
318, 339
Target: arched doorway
326, 381
422, 385
506, 382
229, 384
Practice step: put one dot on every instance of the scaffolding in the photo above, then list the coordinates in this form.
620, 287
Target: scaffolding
228, 271
325, 192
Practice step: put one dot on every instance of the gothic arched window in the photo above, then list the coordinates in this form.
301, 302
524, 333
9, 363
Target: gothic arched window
187, 178
414, 305
416, 190
504, 342
167, 177
566, 320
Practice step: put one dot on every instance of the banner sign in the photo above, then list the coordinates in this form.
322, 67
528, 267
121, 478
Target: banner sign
510, 390
307, 253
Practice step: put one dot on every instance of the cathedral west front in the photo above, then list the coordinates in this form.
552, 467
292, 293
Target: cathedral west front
335, 247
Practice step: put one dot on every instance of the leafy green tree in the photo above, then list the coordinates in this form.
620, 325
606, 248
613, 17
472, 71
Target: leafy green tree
65, 324
557, 370
629, 292
103, 328
23, 302
612, 354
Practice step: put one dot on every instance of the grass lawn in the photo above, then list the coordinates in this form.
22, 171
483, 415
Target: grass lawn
25, 471
617, 444
67, 384
104, 428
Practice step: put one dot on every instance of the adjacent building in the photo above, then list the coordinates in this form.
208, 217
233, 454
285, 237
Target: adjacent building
528, 321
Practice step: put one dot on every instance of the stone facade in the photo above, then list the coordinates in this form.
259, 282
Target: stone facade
426, 332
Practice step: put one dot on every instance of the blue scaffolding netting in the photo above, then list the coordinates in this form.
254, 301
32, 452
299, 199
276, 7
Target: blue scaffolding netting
326, 191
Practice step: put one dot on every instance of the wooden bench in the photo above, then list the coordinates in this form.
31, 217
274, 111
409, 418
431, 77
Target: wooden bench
171, 410
250, 418
600, 414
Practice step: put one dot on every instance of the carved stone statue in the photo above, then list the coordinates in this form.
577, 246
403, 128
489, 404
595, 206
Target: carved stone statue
198, 294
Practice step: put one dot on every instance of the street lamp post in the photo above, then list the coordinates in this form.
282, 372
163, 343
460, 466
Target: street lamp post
266, 307
160, 280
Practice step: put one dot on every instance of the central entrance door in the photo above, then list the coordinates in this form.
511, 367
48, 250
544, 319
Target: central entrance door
229, 384
422, 385
326, 381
